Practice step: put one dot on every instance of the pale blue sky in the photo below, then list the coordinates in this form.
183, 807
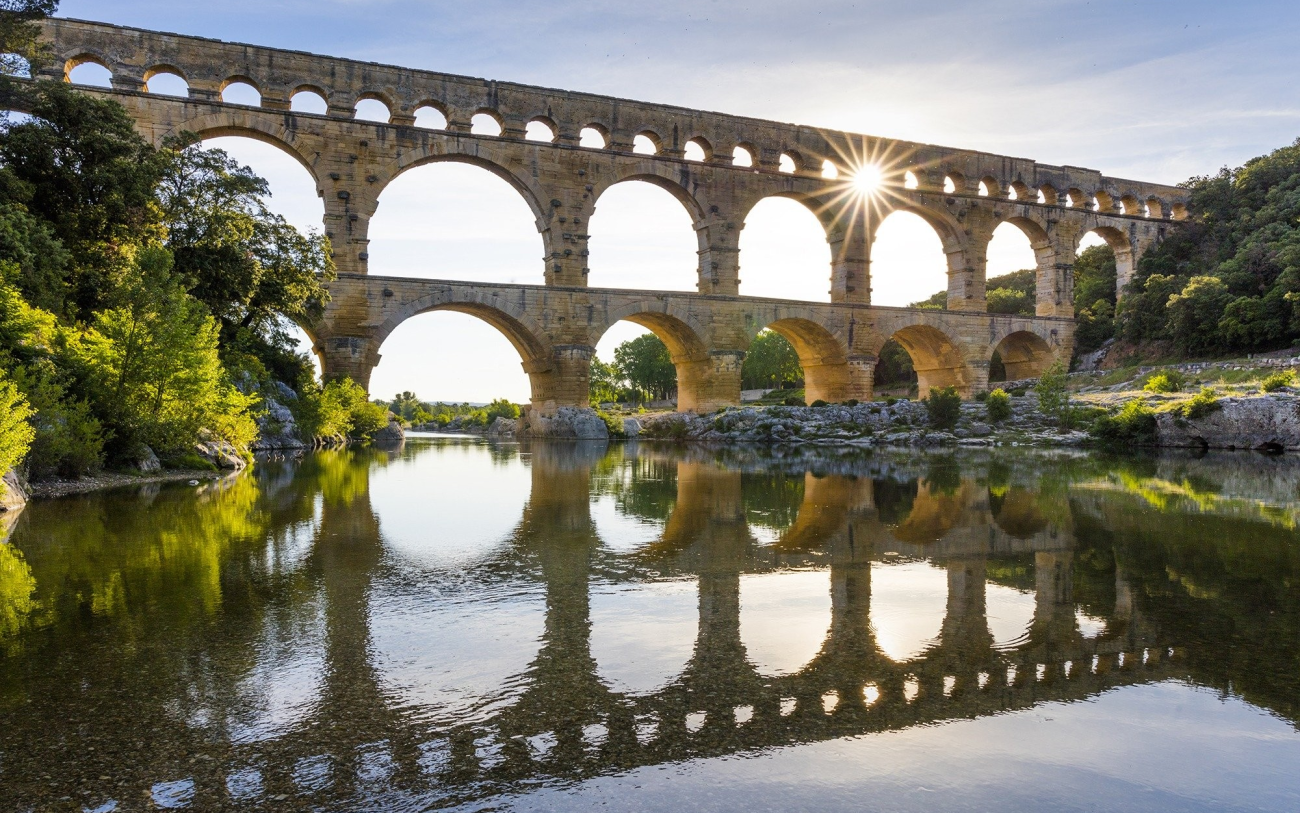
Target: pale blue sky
1151, 90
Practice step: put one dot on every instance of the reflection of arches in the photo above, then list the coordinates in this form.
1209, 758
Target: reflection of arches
825, 367
689, 353
1024, 355
934, 513
442, 218
1015, 511
894, 499
935, 357
784, 253
640, 239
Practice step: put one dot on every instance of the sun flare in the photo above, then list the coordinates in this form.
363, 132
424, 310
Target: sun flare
867, 179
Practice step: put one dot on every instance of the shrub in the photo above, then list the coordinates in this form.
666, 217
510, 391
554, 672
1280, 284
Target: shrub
852, 402
15, 433
1200, 405
501, 408
1053, 399
1135, 424
69, 441
1278, 380
944, 407
1165, 381
998, 405
613, 423
793, 401
982, 396
818, 404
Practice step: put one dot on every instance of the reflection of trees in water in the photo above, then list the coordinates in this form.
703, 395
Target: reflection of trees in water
772, 499
645, 488
894, 498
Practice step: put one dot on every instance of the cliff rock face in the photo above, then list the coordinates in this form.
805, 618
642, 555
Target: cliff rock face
567, 422
502, 428
1269, 423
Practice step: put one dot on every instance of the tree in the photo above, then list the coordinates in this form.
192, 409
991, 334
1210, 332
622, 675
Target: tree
1195, 313
771, 362
246, 264
1053, 398
20, 45
15, 433
604, 382
79, 167
645, 364
153, 369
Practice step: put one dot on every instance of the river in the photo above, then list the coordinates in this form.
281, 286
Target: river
463, 625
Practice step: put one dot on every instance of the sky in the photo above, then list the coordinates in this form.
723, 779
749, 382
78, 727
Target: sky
1155, 90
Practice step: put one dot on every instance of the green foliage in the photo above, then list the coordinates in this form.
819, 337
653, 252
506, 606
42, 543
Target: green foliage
1278, 380
894, 366
1165, 381
15, 433
1228, 279
771, 363
998, 405
1053, 398
613, 423
152, 369
20, 45
1198, 406
501, 408
69, 440
818, 404
645, 364
943, 407
1133, 425
340, 409
1012, 293
603, 383
1094, 298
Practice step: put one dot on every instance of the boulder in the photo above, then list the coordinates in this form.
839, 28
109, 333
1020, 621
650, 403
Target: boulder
631, 427
567, 423
390, 436
145, 461
13, 491
502, 428
1269, 422
277, 428
220, 453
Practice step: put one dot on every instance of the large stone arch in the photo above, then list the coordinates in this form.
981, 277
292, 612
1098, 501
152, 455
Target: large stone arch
939, 359
1125, 257
449, 151
830, 373
821, 214
254, 124
1024, 353
525, 334
698, 388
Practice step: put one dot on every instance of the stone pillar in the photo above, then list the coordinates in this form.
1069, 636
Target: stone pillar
719, 268
705, 384
968, 264
850, 260
351, 356
350, 202
564, 233
561, 380
1055, 290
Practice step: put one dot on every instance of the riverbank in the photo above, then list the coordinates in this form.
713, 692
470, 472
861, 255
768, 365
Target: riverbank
48, 489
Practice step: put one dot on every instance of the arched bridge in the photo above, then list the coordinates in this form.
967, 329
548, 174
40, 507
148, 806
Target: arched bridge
718, 166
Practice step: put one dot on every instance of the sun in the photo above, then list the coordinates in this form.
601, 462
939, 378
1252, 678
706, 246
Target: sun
867, 179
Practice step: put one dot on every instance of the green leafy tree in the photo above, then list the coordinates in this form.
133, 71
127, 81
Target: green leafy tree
153, 368
15, 432
603, 383
80, 168
20, 45
771, 362
1053, 397
501, 408
1194, 316
645, 364
246, 264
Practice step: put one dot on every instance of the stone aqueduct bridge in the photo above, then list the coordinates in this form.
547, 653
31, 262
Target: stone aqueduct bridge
963, 194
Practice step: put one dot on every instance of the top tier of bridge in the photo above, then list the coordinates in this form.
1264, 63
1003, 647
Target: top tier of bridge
208, 65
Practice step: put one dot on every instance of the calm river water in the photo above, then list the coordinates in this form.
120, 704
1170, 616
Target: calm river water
557, 627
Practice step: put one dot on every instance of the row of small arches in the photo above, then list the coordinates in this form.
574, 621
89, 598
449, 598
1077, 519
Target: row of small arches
242, 90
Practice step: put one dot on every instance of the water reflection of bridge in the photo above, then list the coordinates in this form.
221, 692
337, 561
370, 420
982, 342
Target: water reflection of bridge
360, 740
569, 723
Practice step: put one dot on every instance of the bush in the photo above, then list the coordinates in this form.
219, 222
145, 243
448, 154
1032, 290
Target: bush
69, 441
793, 401
852, 402
998, 405
1165, 381
15, 433
1053, 399
1200, 405
818, 404
501, 408
944, 407
340, 408
1278, 380
1135, 424
613, 423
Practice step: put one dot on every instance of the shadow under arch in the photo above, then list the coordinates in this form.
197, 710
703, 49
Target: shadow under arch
827, 376
935, 357
688, 351
1024, 355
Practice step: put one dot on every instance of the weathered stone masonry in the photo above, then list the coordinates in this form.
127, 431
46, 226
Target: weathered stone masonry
964, 195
